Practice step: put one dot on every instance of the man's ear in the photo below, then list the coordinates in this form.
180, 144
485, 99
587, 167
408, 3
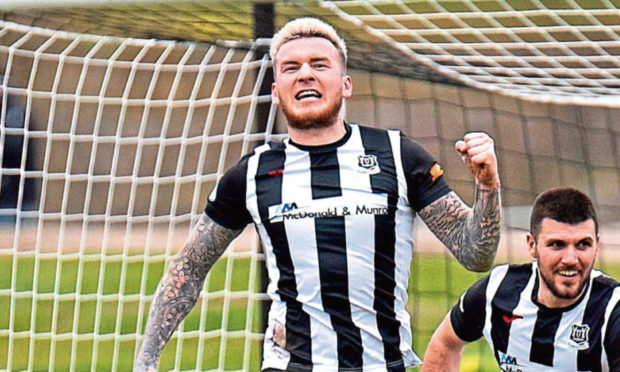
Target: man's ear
531, 246
347, 86
274, 94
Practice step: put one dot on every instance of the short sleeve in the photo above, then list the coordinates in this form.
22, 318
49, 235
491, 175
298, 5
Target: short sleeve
226, 204
425, 181
467, 316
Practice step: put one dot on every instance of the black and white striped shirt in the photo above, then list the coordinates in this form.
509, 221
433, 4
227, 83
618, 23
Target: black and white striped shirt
336, 222
527, 336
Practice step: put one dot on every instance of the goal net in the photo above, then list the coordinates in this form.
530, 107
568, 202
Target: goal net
109, 149
112, 135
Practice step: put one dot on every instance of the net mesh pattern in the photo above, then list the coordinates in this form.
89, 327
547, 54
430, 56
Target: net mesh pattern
108, 148
549, 50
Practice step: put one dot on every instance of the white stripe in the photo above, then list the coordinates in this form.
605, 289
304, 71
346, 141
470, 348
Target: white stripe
403, 253
360, 250
301, 235
250, 192
273, 356
521, 330
495, 279
252, 205
561, 359
615, 298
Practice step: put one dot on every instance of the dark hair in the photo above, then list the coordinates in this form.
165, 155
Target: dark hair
566, 205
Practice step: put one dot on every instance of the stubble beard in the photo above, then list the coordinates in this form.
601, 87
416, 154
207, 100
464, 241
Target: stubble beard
564, 294
313, 120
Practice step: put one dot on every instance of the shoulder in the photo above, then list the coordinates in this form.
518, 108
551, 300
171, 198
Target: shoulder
603, 280
520, 269
267, 151
512, 270
606, 290
374, 138
371, 130
509, 280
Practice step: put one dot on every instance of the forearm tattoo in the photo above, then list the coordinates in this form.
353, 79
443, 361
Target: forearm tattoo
180, 287
471, 234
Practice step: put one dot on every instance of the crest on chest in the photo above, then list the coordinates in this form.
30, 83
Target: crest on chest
368, 164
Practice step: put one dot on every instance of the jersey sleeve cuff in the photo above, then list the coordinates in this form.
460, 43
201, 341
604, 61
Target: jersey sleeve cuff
459, 324
229, 223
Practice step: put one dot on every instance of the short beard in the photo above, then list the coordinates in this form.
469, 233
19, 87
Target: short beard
565, 296
323, 119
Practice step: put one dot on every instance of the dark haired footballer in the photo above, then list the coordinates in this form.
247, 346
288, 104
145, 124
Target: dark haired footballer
554, 314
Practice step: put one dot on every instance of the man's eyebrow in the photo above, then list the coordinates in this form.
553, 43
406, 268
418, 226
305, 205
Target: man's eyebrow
555, 240
294, 61
587, 239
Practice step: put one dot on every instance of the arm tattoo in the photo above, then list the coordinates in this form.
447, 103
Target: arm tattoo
471, 234
180, 287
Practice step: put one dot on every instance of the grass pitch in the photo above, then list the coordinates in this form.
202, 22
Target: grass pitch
42, 313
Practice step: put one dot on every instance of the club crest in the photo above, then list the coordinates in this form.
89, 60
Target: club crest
579, 336
368, 164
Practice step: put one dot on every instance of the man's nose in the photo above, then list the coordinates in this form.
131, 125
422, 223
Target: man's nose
570, 255
305, 72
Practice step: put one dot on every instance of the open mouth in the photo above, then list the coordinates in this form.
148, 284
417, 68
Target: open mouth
307, 95
568, 273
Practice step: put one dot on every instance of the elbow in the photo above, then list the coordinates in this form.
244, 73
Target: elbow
482, 261
479, 267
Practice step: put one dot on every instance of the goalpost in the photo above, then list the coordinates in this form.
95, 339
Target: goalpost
109, 146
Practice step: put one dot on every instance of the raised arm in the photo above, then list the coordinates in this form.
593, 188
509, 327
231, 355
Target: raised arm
445, 349
180, 287
471, 234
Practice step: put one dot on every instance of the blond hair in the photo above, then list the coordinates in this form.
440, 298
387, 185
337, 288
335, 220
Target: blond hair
308, 27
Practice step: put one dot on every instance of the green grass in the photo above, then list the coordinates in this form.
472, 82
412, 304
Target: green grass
436, 282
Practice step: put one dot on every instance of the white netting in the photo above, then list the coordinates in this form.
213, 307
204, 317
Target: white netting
546, 50
110, 147
542, 49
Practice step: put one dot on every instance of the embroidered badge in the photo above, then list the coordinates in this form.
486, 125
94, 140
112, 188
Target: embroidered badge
579, 336
368, 164
435, 171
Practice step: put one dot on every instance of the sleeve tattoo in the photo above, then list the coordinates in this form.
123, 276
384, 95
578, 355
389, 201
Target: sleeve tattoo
180, 287
471, 234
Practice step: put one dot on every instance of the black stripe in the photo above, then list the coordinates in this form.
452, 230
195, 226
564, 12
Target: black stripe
325, 174
503, 304
332, 256
594, 316
269, 193
377, 143
543, 338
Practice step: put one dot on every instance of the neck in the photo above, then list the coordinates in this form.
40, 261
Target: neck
318, 136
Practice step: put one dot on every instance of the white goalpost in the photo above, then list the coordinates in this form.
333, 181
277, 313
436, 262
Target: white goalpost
118, 117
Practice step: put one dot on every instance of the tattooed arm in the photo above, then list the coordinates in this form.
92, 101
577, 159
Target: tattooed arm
471, 234
179, 289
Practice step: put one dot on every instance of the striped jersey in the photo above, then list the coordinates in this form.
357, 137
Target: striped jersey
528, 336
336, 223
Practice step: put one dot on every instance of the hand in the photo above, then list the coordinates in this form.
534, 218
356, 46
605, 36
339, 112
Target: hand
478, 153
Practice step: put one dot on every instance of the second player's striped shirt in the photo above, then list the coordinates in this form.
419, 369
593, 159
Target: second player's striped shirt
528, 336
